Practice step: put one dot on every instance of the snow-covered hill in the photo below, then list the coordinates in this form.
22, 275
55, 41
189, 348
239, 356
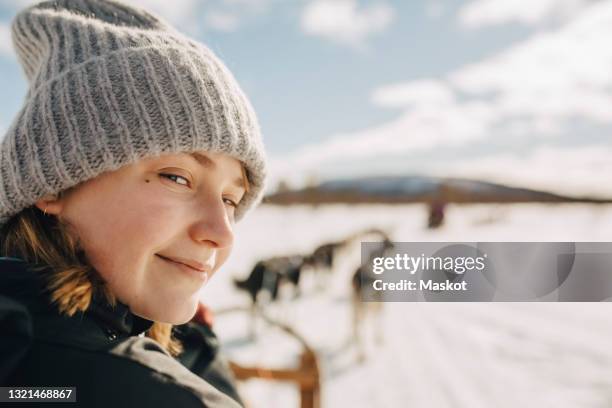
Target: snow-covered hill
414, 189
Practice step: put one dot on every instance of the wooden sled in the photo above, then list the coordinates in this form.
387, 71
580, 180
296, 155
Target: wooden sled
306, 375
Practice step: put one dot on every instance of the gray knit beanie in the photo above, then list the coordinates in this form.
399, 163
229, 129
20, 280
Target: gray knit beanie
111, 84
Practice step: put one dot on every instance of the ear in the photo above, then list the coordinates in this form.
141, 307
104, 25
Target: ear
51, 204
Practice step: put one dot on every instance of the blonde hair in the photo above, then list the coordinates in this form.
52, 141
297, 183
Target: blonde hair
44, 241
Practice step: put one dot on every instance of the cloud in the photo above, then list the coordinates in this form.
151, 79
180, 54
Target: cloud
222, 21
414, 93
570, 170
344, 21
530, 93
575, 171
252, 5
17, 4
435, 9
181, 13
6, 48
414, 132
481, 13
188, 15
230, 15
554, 75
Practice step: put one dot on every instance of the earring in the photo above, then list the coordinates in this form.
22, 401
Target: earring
45, 211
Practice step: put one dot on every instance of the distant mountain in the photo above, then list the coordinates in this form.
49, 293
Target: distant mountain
406, 189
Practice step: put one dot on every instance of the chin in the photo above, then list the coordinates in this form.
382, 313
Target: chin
170, 316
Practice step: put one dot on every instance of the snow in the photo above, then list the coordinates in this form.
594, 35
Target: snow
432, 354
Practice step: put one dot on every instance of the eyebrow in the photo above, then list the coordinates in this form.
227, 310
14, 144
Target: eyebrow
210, 165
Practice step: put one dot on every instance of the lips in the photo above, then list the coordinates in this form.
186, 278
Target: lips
195, 265
202, 274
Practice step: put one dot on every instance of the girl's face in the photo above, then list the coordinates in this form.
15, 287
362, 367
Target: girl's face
142, 225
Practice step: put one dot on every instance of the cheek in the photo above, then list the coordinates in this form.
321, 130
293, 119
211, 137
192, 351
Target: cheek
123, 234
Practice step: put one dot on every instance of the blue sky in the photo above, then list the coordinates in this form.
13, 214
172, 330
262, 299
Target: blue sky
503, 90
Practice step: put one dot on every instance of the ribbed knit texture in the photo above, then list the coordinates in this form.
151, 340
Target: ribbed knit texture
109, 85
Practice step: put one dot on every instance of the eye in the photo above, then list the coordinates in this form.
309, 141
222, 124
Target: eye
231, 202
173, 177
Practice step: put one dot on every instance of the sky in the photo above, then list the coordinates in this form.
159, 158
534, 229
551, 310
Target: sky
511, 91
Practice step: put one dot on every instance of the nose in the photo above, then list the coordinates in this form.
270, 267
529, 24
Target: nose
213, 225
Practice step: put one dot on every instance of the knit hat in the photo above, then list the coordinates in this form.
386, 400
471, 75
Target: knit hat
111, 84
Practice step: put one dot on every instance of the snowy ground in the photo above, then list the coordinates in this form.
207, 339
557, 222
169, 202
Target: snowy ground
431, 355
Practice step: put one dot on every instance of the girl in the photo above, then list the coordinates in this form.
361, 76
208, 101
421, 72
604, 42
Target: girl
120, 181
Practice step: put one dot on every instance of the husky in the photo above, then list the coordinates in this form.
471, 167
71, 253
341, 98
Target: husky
371, 310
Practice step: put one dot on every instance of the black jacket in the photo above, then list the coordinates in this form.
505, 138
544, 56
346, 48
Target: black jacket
103, 352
